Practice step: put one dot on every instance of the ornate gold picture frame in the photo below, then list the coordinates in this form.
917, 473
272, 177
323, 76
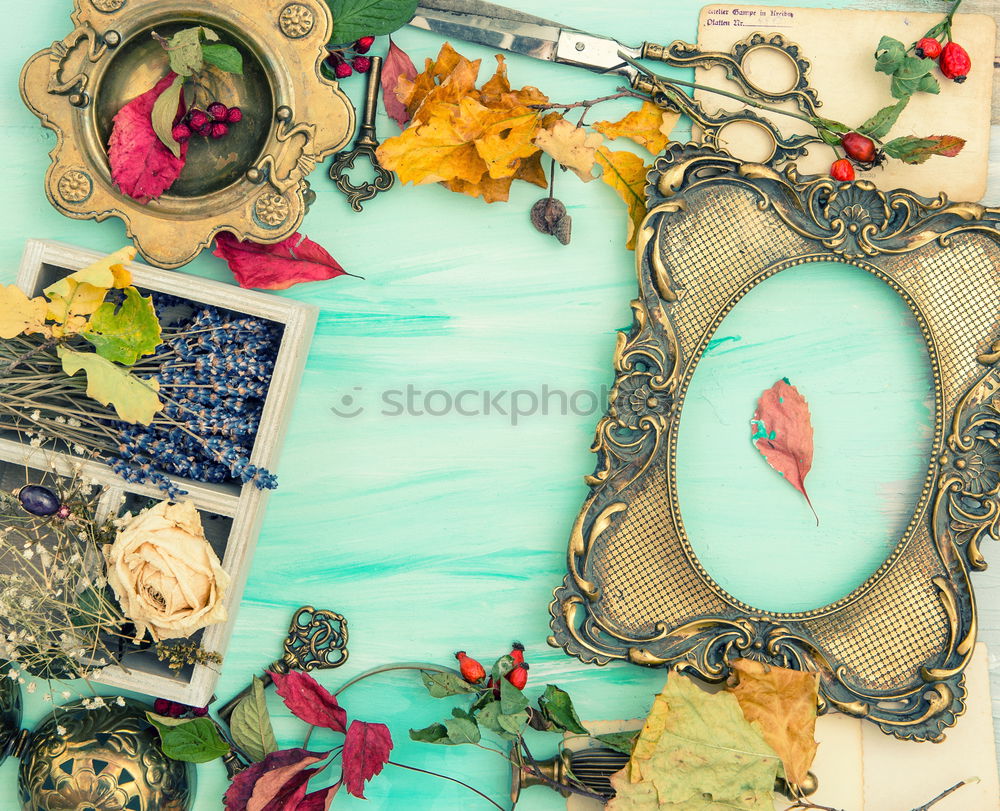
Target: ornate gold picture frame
893, 650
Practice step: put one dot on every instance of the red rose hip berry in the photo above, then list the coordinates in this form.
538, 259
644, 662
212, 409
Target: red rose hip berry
363, 45
519, 676
842, 170
218, 130
471, 670
343, 70
234, 116
198, 119
928, 48
954, 62
361, 64
858, 147
181, 133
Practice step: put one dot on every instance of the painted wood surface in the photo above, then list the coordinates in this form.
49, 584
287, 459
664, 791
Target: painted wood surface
438, 532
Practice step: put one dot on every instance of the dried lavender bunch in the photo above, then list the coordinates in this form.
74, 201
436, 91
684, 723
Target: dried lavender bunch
213, 368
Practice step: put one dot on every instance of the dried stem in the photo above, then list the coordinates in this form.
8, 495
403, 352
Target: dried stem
588, 103
492, 802
960, 783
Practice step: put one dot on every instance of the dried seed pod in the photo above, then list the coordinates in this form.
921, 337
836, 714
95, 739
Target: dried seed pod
549, 216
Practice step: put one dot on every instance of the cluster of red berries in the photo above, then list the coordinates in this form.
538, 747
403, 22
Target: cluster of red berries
344, 61
952, 58
212, 122
173, 709
860, 150
474, 673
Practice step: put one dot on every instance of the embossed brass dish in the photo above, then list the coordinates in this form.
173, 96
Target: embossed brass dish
253, 182
894, 650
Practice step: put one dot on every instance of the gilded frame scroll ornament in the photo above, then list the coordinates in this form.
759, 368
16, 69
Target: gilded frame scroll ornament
297, 115
894, 650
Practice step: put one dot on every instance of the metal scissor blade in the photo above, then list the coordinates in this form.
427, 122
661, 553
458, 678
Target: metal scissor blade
500, 27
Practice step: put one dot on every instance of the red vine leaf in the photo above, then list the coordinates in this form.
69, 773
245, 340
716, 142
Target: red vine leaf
366, 751
141, 165
783, 433
310, 701
277, 767
319, 800
397, 64
275, 267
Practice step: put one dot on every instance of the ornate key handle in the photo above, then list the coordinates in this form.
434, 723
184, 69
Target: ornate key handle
685, 55
317, 640
366, 144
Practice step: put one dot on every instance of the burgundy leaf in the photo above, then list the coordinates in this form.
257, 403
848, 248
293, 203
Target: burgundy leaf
397, 64
782, 432
310, 701
289, 795
319, 800
366, 751
275, 267
240, 791
141, 165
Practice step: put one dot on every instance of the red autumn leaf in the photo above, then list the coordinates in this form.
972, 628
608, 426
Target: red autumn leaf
366, 751
237, 797
141, 166
783, 433
319, 800
310, 701
275, 267
397, 64
289, 794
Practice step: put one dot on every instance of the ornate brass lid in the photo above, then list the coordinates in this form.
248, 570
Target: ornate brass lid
252, 183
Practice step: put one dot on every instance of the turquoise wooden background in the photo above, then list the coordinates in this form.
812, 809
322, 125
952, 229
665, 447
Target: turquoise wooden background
434, 533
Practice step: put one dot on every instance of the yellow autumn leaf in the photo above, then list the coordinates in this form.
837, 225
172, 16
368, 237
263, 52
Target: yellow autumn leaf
783, 702
625, 172
696, 752
18, 313
133, 399
649, 127
475, 141
432, 152
571, 146
80, 293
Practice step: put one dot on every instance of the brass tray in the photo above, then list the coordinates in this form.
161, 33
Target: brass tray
894, 650
252, 183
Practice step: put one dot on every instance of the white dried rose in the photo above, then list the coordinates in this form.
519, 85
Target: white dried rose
165, 574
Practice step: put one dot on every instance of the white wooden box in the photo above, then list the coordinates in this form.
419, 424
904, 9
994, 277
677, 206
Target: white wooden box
231, 513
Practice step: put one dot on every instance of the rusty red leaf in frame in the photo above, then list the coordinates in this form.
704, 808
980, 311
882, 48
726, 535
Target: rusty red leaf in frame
782, 432
141, 166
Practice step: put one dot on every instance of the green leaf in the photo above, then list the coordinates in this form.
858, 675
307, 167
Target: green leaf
828, 129
903, 88
501, 667
251, 724
353, 19
557, 707
513, 723
928, 84
916, 150
134, 400
489, 717
124, 333
889, 54
435, 733
913, 67
512, 700
442, 685
619, 741
878, 125
224, 57
164, 113
185, 50
195, 740
461, 730
831, 138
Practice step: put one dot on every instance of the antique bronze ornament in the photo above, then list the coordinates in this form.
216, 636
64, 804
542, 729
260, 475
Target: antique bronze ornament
105, 758
253, 183
893, 651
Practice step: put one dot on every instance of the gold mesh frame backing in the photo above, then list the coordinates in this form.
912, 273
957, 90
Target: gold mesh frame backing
894, 650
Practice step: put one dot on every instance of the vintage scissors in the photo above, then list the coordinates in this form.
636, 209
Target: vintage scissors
510, 30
